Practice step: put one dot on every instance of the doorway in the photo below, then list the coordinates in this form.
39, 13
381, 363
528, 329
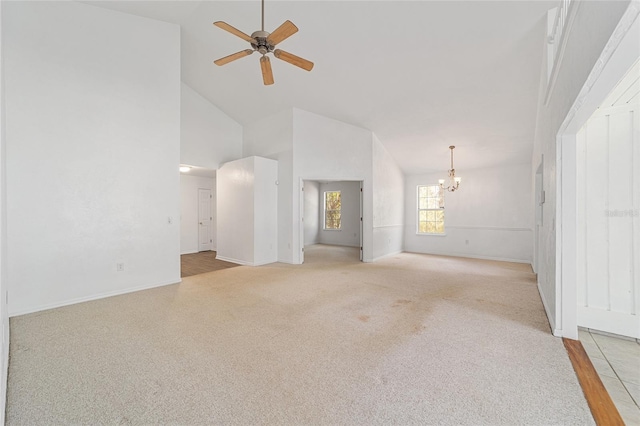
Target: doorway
198, 221
331, 212
197, 210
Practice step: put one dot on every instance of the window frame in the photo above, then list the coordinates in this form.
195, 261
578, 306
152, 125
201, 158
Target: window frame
324, 220
438, 209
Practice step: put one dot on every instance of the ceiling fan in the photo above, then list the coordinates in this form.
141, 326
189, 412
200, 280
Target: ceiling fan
264, 42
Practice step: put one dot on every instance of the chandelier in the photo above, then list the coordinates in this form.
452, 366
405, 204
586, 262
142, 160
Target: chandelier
454, 182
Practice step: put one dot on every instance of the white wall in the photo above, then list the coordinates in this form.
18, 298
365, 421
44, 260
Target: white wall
247, 219
189, 203
208, 137
234, 185
272, 137
4, 316
312, 212
592, 24
265, 243
328, 149
349, 233
308, 146
388, 203
488, 217
96, 114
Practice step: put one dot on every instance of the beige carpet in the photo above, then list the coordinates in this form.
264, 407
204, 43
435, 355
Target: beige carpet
411, 339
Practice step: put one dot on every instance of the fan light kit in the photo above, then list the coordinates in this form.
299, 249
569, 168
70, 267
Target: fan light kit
454, 182
264, 42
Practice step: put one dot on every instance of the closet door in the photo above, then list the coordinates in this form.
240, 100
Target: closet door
608, 219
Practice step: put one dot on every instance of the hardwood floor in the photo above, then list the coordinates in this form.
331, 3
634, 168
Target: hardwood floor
199, 263
602, 407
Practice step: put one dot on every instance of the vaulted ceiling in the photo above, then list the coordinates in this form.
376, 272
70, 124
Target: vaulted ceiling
422, 75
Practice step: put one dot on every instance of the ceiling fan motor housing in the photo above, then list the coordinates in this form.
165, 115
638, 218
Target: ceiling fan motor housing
261, 44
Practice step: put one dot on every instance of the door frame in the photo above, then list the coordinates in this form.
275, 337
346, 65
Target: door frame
301, 210
538, 215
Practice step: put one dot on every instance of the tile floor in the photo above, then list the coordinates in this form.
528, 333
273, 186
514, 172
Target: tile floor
617, 361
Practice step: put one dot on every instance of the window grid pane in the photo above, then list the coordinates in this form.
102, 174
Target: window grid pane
430, 210
332, 210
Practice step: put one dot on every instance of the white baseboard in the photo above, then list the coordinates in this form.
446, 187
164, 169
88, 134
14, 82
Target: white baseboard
261, 263
189, 252
335, 244
473, 256
232, 260
243, 262
90, 298
556, 331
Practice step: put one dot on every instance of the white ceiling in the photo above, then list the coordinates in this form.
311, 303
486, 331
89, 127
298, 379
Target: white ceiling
422, 75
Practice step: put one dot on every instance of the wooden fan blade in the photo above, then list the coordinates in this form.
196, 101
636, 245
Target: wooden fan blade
234, 31
233, 57
267, 74
293, 59
284, 31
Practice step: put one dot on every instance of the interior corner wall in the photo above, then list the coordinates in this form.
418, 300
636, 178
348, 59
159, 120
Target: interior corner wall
272, 137
247, 219
388, 203
235, 185
592, 26
208, 137
488, 217
189, 211
328, 149
312, 212
349, 232
4, 316
93, 145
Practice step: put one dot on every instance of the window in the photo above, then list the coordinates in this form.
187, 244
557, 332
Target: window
332, 207
430, 209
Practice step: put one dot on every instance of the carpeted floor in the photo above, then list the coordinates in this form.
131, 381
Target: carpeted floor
410, 339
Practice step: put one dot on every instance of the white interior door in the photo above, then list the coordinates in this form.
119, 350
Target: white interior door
607, 220
205, 220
